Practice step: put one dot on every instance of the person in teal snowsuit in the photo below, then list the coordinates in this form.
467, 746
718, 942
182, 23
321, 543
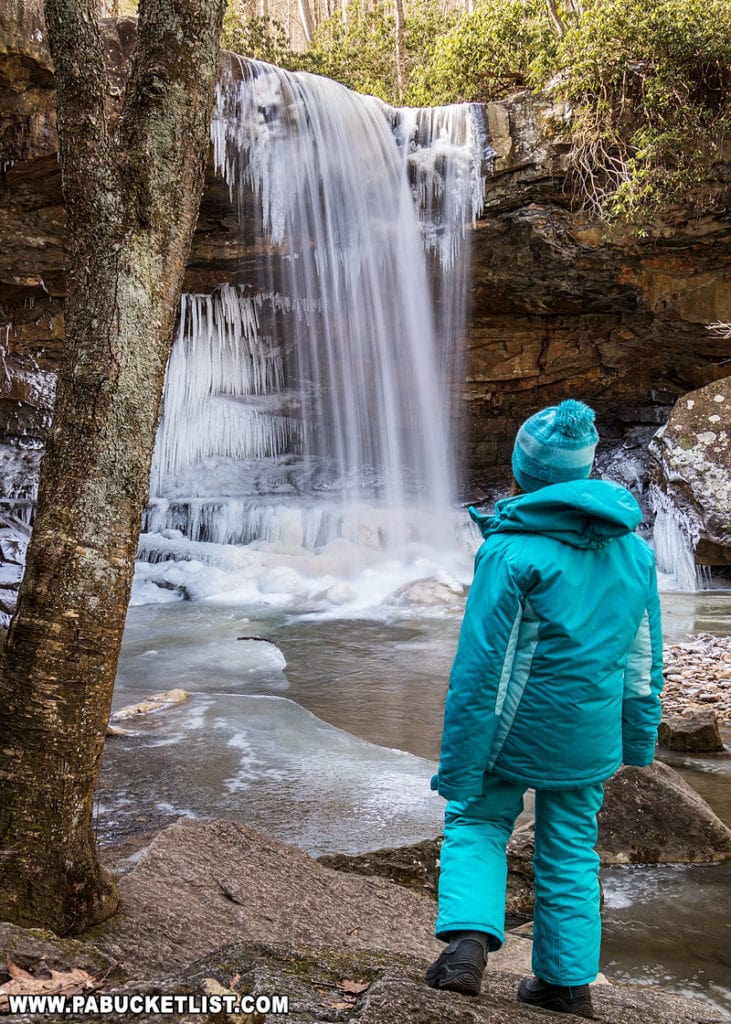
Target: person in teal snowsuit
555, 684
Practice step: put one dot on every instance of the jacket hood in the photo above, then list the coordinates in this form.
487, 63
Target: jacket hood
582, 513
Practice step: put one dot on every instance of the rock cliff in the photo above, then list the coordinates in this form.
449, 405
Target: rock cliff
691, 467
560, 305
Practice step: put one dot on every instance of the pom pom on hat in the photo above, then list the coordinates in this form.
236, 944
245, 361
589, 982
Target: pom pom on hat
574, 419
555, 445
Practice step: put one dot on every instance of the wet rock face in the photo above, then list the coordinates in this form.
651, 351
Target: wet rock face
691, 467
558, 308
565, 307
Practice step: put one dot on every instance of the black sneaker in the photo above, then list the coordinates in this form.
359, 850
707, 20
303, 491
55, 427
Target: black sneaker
559, 998
459, 967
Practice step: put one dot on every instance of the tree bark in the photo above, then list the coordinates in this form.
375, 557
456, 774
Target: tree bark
556, 18
398, 8
306, 19
132, 200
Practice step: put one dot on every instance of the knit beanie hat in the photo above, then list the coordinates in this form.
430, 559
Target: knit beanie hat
554, 445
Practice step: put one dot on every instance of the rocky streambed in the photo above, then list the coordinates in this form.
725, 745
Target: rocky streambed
698, 677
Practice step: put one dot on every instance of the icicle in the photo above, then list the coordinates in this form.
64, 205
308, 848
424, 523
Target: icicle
674, 541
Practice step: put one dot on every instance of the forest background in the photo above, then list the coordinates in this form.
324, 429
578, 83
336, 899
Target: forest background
648, 81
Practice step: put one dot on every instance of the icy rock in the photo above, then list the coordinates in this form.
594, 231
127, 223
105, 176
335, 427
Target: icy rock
156, 702
281, 580
340, 593
435, 591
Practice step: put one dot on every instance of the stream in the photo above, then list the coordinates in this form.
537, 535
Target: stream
324, 733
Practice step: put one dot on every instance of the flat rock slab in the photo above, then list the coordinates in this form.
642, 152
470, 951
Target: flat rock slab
201, 884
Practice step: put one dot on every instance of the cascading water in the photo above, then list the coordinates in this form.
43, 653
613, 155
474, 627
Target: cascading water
308, 403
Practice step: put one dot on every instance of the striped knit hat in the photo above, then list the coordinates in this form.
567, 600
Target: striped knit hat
555, 445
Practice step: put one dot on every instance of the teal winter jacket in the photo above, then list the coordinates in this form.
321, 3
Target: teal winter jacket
558, 670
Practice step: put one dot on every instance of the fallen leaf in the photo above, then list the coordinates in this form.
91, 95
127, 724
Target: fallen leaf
66, 983
340, 1005
355, 932
353, 987
234, 981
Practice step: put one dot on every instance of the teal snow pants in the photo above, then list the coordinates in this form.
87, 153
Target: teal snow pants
473, 874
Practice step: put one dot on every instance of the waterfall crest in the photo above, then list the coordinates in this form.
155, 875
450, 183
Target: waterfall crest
322, 377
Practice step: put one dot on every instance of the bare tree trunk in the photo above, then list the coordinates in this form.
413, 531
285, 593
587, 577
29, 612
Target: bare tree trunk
308, 24
555, 17
398, 8
132, 202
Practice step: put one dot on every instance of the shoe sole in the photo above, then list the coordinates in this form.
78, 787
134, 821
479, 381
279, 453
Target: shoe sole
559, 1006
450, 980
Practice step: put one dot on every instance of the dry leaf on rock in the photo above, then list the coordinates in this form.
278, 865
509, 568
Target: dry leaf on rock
353, 987
65, 983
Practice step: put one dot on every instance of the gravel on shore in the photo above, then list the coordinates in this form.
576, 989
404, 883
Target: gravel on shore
698, 675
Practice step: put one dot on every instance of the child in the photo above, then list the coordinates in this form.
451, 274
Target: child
555, 684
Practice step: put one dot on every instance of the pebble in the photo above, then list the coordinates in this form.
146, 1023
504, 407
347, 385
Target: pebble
698, 673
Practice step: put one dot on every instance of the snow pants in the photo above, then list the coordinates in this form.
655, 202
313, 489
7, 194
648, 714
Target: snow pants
473, 874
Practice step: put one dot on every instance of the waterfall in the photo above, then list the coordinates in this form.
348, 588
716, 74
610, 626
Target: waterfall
310, 400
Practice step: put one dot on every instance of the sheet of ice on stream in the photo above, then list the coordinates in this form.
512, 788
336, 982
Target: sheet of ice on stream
205, 649
270, 763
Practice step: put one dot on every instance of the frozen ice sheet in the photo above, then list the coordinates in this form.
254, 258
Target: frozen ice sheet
270, 763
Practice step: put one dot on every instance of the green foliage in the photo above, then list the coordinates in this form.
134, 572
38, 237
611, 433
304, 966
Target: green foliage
361, 52
649, 80
485, 54
258, 37
358, 53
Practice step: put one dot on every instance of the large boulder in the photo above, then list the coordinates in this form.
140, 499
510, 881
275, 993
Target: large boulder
691, 470
652, 816
203, 883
